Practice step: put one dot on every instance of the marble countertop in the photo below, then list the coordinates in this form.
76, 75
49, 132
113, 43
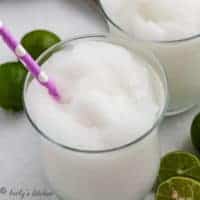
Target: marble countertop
20, 167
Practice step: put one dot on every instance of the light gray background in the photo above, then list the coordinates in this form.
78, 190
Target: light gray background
19, 152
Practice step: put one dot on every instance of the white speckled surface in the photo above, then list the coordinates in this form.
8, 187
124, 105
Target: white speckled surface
19, 153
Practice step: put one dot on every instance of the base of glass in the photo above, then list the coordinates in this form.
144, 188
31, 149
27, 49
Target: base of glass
175, 112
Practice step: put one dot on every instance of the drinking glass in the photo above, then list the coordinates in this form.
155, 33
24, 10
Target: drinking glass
126, 172
181, 59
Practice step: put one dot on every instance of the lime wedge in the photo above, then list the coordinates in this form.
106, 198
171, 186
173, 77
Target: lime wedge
179, 188
37, 41
12, 77
195, 132
179, 164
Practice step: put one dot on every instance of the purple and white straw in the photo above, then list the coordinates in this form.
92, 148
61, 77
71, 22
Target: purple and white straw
26, 59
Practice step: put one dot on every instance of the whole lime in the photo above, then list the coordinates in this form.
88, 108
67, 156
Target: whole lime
37, 41
195, 132
12, 77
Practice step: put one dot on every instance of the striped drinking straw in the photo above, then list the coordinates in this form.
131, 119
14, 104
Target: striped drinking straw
29, 63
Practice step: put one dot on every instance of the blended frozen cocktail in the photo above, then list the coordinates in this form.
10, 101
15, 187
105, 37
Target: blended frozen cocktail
171, 29
100, 141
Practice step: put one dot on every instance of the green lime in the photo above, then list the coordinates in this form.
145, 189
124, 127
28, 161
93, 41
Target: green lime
179, 164
179, 188
37, 41
195, 132
12, 77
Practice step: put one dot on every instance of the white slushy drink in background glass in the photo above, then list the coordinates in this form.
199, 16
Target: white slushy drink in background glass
171, 28
100, 141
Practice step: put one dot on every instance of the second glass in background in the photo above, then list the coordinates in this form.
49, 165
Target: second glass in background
181, 59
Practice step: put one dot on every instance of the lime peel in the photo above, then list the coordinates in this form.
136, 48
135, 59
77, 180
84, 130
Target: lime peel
37, 41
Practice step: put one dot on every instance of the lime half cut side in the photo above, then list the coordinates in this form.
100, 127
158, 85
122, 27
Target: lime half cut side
178, 163
179, 188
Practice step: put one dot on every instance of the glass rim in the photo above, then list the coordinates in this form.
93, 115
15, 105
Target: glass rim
184, 39
135, 141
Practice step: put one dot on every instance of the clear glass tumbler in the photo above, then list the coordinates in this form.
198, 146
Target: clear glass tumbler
126, 172
181, 59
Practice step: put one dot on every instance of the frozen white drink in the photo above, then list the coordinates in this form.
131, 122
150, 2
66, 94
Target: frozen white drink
105, 127
171, 29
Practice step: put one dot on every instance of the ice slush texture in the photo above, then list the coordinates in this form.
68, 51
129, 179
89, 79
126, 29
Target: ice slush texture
110, 97
155, 19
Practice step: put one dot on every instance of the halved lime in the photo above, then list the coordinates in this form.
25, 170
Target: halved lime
37, 41
179, 164
12, 77
179, 188
195, 132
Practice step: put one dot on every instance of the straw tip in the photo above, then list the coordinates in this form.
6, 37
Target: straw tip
57, 98
55, 94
